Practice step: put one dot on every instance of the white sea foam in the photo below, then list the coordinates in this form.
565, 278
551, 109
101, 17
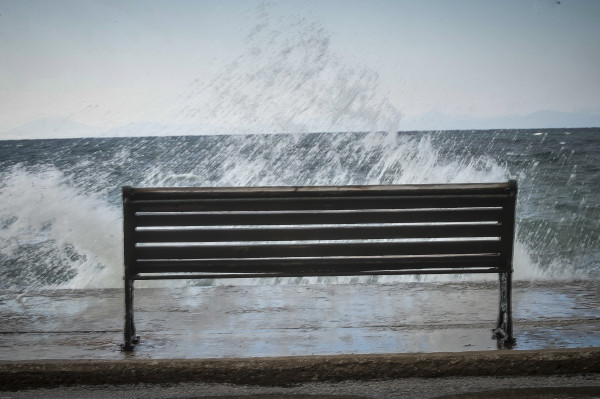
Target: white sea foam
58, 235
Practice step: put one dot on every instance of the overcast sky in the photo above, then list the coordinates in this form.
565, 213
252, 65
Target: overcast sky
294, 65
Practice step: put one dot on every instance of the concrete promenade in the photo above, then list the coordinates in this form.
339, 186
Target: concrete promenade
280, 335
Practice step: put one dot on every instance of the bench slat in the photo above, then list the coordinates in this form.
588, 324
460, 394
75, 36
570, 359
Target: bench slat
331, 265
192, 275
318, 217
342, 232
317, 249
311, 203
179, 193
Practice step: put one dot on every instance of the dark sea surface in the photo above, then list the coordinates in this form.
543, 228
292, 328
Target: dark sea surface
60, 211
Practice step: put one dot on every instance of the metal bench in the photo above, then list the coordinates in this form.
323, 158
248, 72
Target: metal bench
252, 232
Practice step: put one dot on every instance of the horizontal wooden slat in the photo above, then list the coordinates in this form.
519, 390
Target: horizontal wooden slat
322, 217
156, 193
309, 203
196, 275
332, 265
318, 233
317, 249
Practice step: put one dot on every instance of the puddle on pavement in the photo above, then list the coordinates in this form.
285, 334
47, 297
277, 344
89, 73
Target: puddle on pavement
316, 319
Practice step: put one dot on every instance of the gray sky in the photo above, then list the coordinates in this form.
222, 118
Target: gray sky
328, 65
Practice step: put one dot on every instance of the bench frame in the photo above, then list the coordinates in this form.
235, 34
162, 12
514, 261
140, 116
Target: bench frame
210, 233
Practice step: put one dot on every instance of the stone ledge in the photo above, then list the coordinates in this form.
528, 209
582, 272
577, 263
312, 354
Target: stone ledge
297, 369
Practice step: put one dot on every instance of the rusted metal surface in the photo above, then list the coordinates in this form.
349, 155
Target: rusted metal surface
504, 330
319, 231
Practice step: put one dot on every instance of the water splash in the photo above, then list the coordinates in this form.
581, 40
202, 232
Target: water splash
54, 234
289, 79
61, 224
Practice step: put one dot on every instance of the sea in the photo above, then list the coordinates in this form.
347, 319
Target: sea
60, 199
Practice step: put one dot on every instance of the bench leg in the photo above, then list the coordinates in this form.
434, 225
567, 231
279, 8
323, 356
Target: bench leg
504, 329
129, 332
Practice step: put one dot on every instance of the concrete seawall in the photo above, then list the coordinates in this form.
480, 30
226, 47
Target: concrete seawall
298, 369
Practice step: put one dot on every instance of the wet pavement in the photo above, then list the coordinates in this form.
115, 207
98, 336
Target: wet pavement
295, 320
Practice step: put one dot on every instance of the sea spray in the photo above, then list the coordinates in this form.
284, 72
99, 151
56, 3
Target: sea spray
288, 78
56, 236
60, 211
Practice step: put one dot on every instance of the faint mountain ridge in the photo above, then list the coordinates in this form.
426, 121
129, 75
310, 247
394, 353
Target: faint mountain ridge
543, 119
57, 127
63, 127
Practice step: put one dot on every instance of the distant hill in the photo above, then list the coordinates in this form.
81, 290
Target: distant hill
61, 127
434, 120
51, 127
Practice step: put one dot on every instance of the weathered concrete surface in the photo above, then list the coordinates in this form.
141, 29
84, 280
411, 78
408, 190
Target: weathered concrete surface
279, 320
297, 369
261, 334
583, 386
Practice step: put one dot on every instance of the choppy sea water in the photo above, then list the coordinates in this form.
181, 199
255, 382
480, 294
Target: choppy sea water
60, 210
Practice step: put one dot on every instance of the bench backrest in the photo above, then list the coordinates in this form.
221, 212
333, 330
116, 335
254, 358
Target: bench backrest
313, 231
